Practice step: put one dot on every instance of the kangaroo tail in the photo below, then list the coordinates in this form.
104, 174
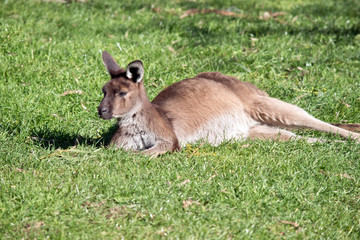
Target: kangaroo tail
354, 127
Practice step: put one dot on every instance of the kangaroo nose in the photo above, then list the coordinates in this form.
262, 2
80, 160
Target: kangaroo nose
102, 111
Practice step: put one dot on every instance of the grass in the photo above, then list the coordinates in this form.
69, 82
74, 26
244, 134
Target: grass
59, 180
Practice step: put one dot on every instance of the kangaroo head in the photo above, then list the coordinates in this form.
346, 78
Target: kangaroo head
122, 94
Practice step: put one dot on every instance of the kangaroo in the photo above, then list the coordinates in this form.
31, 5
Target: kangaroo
211, 106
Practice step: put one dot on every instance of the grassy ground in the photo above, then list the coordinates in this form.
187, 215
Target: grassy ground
59, 180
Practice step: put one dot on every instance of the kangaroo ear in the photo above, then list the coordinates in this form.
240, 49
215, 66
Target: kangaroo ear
135, 71
110, 64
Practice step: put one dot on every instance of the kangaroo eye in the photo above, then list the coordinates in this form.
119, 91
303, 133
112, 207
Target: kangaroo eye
121, 94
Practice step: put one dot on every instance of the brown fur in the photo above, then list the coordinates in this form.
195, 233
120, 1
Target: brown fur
210, 106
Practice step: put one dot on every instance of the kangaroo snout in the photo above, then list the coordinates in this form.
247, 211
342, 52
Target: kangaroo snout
104, 113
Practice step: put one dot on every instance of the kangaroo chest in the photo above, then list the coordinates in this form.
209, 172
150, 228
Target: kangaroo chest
133, 136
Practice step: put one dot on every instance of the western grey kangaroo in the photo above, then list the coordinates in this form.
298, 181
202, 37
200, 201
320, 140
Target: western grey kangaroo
211, 106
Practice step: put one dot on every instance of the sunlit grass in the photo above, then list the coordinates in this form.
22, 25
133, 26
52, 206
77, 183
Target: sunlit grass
59, 180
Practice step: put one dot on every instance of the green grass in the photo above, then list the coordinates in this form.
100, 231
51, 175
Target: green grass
59, 180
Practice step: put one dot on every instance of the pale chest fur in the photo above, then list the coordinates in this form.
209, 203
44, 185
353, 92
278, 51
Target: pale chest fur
134, 134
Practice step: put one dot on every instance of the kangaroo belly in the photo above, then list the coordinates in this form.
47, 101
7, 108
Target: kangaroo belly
224, 127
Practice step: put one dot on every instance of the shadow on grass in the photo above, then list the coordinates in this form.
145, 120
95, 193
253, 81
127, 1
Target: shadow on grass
204, 36
260, 28
349, 8
58, 139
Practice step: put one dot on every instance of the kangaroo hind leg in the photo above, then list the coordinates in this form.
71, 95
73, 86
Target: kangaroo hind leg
274, 112
273, 133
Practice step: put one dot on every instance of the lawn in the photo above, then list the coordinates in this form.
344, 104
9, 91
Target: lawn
60, 180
